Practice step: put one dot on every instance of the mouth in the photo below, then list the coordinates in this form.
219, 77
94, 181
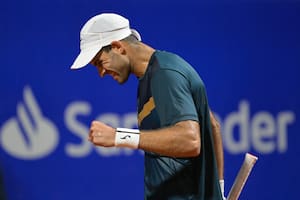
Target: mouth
114, 75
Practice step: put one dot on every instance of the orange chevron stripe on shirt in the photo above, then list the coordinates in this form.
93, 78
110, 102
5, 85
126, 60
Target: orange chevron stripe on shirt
147, 108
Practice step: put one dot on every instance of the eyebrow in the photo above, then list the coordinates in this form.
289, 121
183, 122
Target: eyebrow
95, 60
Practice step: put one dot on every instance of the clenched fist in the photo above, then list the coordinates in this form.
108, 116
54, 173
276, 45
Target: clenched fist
101, 134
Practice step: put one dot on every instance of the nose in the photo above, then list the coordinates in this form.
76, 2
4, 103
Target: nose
101, 72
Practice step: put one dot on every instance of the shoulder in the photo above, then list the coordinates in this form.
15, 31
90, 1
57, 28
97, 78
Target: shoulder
170, 62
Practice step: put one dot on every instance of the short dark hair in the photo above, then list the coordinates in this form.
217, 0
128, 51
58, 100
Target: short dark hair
106, 48
130, 39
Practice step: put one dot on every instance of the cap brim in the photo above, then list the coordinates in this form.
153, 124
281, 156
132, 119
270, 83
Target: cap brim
84, 58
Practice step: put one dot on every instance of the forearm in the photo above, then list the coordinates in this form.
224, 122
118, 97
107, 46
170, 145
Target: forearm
218, 146
219, 153
180, 140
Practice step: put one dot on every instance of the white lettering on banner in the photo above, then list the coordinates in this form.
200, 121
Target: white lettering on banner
31, 135
283, 119
265, 132
79, 129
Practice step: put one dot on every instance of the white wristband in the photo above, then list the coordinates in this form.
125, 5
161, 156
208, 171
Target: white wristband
126, 137
221, 182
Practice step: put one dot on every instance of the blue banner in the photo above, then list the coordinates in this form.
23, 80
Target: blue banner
247, 53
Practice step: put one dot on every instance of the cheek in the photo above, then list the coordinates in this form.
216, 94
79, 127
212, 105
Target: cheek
123, 64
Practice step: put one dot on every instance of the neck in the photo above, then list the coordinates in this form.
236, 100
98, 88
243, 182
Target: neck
140, 57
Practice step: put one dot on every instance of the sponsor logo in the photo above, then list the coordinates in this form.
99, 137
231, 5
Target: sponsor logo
32, 135
29, 135
125, 137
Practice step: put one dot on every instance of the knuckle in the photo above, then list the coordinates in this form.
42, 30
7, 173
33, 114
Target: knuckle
95, 122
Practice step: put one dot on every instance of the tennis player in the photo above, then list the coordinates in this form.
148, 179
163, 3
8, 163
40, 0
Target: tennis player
177, 131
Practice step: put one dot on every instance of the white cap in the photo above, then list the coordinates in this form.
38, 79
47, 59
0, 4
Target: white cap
100, 31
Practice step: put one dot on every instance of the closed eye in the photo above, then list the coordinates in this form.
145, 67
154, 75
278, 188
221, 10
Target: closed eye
96, 62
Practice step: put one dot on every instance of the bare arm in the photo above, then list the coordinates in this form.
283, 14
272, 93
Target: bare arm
179, 140
218, 146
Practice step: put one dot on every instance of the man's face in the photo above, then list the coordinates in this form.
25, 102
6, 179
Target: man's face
112, 63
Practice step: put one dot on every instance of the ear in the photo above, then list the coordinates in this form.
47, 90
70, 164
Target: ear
118, 46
